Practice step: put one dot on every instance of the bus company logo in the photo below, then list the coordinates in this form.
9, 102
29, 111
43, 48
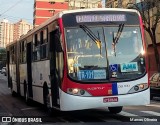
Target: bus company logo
96, 88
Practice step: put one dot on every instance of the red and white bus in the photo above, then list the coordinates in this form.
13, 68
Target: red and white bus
82, 59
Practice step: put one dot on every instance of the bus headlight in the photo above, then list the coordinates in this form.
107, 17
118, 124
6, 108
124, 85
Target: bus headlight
138, 88
78, 92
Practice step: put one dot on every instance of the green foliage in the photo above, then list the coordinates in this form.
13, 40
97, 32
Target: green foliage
2, 57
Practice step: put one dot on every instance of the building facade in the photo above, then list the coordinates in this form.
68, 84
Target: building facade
119, 3
44, 9
10, 32
6, 32
21, 28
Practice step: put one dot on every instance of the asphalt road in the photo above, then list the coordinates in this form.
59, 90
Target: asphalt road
16, 109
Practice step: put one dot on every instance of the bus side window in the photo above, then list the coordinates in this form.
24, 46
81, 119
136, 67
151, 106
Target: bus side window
44, 44
36, 47
12, 55
56, 43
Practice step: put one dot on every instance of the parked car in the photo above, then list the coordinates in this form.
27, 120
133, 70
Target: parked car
4, 71
155, 85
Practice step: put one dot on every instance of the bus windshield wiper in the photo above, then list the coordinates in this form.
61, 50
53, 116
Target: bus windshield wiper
91, 35
116, 38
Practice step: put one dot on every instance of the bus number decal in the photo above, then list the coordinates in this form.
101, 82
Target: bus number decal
129, 67
91, 74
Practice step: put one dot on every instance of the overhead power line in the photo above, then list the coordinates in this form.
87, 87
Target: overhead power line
15, 18
11, 7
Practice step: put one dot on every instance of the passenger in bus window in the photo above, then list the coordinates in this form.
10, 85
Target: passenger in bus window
88, 47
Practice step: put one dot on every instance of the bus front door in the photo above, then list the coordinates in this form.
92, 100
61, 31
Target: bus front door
53, 69
29, 70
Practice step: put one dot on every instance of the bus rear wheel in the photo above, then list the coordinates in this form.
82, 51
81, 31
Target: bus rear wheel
115, 110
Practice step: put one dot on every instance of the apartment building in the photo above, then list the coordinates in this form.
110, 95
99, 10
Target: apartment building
21, 28
10, 32
44, 9
6, 32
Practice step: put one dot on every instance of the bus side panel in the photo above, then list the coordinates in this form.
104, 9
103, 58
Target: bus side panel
23, 77
40, 74
13, 77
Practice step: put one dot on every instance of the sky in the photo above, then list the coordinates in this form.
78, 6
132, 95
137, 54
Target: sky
15, 10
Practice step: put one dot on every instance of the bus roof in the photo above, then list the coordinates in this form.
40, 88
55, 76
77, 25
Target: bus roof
97, 9
60, 14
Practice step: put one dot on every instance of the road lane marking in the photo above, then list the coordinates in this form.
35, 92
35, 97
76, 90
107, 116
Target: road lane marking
151, 113
108, 119
126, 113
28, 109
153, 105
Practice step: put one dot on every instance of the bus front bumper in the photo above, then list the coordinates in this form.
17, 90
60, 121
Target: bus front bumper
70, 102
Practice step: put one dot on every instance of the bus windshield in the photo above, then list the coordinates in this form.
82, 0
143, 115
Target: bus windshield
120, 61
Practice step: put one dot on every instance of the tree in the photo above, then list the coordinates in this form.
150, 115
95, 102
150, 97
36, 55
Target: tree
150, 12
2, 57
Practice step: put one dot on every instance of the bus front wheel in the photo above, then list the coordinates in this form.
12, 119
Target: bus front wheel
115, 110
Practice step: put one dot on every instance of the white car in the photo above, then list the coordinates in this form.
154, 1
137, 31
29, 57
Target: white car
4, 71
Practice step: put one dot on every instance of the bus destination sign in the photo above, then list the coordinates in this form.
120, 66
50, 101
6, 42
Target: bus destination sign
101, 18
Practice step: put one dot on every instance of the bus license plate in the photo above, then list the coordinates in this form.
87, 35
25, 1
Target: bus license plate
110, 99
